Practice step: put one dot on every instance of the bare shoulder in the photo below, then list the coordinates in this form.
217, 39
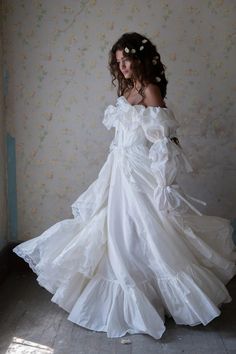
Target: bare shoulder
153, 96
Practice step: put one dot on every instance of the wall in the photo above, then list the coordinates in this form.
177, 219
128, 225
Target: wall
59, 85
3, 205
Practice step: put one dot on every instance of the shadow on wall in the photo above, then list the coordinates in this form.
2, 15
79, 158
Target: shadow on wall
233, 223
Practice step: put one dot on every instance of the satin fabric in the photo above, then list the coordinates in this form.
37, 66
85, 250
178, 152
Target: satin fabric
136, 249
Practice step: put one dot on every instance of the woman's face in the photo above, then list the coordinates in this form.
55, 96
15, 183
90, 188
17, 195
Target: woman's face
124, 64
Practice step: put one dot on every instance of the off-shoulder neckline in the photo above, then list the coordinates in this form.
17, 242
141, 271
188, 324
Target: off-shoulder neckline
140, 105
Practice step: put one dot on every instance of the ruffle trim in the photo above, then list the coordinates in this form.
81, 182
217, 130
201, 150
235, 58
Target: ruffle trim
133, 116
191, 297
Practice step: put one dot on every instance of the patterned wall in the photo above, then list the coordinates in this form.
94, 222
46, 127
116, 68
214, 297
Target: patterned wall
58, 87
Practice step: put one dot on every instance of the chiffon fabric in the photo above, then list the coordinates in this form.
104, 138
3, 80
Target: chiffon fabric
137, 248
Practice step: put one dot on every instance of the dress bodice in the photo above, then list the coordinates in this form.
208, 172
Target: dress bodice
136, 126
132, 121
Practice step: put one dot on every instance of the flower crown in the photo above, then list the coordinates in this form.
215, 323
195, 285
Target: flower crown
154, 59
132, 50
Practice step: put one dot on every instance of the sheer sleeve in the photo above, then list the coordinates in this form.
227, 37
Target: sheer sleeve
167, 158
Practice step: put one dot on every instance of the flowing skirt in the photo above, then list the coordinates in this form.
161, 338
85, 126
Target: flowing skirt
121, 265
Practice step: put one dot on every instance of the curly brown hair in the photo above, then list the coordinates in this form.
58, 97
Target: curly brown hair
146, 63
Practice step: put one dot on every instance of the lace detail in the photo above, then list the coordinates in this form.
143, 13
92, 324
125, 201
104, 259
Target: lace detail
17, 250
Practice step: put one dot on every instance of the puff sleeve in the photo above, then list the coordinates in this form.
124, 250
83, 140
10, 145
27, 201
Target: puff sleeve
167, 158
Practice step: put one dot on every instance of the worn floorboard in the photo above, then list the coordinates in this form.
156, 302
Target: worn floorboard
31, 323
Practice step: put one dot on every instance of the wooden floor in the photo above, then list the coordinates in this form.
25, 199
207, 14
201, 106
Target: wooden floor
31, 323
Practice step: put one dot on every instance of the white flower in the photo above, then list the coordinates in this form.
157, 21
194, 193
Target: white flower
154, 62
126, 50
141, 48
158, 79
156, 57
133, 50
144, 41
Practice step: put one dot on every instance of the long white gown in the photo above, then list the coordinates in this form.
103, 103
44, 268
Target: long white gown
136, 249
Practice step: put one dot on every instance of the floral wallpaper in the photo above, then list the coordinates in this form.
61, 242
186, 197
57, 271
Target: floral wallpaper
58, 85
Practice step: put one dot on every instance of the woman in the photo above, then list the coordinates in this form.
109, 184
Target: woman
140, 73
136, 250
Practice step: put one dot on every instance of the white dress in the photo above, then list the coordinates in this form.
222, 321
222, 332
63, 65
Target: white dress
137, 249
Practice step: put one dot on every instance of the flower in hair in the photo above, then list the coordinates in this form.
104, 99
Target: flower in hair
144, 41
158, 79
154, 61
126, 50
133, 50
141, 48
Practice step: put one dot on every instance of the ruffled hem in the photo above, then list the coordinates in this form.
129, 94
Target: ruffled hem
65, 249
119, 311
191, 297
